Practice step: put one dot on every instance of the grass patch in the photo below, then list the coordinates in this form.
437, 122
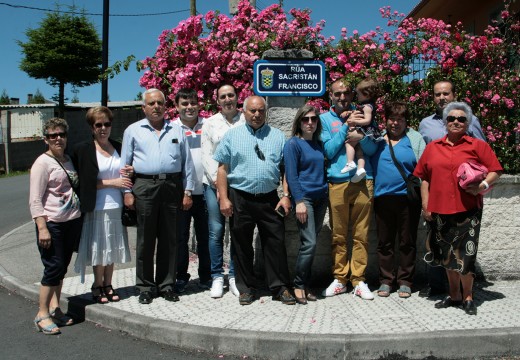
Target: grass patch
13, 173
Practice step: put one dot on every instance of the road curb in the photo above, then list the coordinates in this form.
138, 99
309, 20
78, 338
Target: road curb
452, 344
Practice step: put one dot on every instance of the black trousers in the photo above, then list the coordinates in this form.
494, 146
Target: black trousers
396, 216
250, 211
157, 204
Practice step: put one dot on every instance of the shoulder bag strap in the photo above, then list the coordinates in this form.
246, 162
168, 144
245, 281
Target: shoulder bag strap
396, 163
66, 172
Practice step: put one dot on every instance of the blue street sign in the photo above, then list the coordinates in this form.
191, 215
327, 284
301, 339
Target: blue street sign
289, 78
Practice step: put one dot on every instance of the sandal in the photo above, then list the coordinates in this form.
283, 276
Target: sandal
60, 318
47, 330
111, 293
100, 297
404, 292
384, 290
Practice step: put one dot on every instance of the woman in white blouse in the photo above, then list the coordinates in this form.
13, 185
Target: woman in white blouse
104, 240
212, 132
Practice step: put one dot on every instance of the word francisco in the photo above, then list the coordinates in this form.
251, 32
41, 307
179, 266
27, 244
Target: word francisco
289, 77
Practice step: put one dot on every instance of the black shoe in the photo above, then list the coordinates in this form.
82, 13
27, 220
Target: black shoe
470, 308
285, 297
428, 292
246, 298
145, 297
170, 295
447, 302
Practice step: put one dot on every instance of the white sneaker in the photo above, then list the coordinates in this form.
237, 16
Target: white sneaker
363, 291
217, 287
349, 167
334, 288
233, 287
360, 174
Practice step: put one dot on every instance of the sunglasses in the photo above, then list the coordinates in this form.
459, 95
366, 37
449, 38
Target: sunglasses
313, 119
461, 119
259, 153
100, 125
54, 136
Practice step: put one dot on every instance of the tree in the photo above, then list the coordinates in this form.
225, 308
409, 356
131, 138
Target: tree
37, 98
4, 98
65, 49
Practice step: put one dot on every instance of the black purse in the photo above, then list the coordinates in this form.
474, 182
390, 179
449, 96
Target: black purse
128, 217
413, 183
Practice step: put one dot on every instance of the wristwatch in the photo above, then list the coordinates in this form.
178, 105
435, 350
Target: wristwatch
287, 195
187, 193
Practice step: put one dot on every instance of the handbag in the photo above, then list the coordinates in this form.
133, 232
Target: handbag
413, 183
128, 217
471, 172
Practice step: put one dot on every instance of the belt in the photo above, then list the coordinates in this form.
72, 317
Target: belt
166, 176
258, 196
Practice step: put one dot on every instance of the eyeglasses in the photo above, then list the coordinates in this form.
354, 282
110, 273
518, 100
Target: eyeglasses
312, 119
100, 125
461, 119
259, 153
344, 93
54, 136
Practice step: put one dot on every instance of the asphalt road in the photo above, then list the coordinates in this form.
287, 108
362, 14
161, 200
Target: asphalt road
14, 202
18, 337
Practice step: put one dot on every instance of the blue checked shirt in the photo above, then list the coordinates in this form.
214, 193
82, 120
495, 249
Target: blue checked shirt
246, 171
153, 154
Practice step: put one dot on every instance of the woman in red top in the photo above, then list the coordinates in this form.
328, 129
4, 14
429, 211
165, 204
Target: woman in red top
454, 213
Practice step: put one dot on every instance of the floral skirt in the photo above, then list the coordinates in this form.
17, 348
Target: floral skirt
452, 241
104, 241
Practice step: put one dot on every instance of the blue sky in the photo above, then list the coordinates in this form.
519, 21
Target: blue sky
137, 35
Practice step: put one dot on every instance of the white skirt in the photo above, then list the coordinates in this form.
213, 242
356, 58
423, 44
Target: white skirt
104, 241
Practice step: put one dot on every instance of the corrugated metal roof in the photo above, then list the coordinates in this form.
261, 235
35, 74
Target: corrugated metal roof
85, 105
111, 104
27, 106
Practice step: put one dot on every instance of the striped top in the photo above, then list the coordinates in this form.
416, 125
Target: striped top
246, 169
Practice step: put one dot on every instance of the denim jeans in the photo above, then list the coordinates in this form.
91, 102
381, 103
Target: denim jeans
308, 236
200, 218
217, 225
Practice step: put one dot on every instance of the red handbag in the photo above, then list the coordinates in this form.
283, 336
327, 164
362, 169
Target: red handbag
471, 172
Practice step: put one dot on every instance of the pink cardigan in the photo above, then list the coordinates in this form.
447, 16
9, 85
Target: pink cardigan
50, 193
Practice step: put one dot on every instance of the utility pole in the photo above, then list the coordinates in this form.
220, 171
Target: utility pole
104, 66
193, 7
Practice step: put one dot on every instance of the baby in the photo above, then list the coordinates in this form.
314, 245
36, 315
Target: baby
367, 94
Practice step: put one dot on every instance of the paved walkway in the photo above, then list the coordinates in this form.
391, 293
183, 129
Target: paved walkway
338, 327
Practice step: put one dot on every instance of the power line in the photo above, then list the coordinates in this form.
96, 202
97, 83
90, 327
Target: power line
91, 14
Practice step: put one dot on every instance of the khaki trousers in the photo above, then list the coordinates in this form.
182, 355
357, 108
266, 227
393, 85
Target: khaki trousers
350, 203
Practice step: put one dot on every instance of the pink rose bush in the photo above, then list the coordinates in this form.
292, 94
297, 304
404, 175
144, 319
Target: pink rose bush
204, 51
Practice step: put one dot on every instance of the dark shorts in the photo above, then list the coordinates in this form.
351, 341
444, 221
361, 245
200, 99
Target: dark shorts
56, 258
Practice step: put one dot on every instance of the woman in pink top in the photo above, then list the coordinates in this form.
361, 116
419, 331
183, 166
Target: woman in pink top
55, 209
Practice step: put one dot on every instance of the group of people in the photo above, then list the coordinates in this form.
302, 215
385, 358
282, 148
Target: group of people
231, 166
64, 187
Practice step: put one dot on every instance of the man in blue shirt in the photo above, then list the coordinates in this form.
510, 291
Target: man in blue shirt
160, 155
248, 176
433, 128
350, 202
